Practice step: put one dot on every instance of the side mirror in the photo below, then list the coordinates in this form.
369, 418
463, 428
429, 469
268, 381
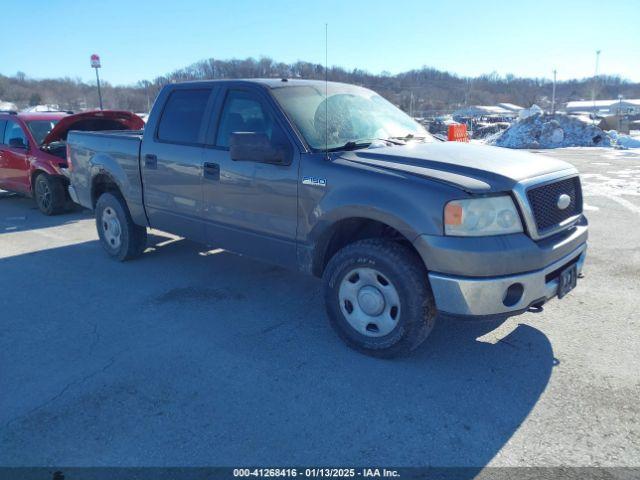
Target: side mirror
256, 147
17, 143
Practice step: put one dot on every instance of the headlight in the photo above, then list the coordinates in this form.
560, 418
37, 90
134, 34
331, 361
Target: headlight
475, 217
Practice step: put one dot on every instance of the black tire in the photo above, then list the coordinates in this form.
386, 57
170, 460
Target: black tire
132, 238
49, 194
402, 267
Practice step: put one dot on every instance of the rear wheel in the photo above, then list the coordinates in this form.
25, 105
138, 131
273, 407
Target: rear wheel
378, 297
120, 236
49, 194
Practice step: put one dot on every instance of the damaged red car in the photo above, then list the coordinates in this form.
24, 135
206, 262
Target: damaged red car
33, 151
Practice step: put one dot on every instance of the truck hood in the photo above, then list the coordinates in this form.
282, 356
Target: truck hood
471, 167
95, 120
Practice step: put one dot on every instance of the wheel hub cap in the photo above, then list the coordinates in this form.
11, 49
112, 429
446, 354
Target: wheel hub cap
371, 300
43, 194
111, 228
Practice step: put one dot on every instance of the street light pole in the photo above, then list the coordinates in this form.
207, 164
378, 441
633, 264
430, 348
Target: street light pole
99, 92
595, 82
553, 94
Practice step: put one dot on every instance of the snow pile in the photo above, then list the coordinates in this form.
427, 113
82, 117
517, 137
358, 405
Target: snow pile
43, 108
622, 141
542, 130
484, 130
8, 106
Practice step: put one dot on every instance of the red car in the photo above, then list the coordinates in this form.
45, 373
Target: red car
33, 150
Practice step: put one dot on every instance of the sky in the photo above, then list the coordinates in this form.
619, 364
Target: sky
142, 39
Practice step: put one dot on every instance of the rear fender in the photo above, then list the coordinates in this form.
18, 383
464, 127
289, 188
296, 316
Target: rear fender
104, 164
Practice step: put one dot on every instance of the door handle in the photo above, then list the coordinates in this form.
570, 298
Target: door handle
150, 161
212, 170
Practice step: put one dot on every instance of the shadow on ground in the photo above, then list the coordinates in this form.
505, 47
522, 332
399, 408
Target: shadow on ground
20, 213
189, 358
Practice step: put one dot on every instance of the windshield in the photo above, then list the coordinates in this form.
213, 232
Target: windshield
40, 129
347, 114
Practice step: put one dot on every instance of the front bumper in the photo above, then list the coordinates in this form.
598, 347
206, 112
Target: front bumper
485, 296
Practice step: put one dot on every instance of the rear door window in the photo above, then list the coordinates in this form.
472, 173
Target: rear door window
13, 131
3, 123
183, 115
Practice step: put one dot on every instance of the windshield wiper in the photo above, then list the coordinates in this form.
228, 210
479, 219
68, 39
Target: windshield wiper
350, 145
364, 143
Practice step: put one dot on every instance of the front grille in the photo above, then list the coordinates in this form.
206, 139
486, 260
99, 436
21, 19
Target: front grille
544, 202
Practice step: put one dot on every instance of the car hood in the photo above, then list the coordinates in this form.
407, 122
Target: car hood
471, 167
94, 120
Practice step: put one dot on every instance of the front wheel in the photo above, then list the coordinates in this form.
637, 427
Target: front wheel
378, 298
121, 238
49, 194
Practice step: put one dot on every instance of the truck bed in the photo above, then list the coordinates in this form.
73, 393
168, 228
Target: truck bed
92, 154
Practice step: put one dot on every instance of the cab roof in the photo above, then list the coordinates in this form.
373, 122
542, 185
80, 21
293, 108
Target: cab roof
266, 82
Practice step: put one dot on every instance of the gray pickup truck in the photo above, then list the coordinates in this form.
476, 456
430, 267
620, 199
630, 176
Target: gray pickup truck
334, 181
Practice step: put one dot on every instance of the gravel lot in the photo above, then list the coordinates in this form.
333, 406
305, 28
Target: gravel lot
187, 357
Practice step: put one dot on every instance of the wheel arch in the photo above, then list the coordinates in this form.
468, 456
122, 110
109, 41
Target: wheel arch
349, 229
39, 170
103, 182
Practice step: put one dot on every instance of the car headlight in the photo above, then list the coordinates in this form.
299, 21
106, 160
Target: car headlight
475, 217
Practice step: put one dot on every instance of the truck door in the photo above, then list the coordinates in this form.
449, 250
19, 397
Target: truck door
171, 161
250, 207
14, 163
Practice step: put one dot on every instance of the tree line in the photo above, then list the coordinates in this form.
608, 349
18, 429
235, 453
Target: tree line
421, 91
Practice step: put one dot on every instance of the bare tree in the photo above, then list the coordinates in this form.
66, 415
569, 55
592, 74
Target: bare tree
425, 89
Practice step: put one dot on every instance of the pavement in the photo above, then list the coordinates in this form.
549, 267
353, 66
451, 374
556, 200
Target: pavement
194, 356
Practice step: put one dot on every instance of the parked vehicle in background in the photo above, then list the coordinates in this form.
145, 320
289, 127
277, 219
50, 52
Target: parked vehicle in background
33, 151
344, 186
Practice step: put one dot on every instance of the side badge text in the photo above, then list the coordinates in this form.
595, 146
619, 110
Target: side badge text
318, 182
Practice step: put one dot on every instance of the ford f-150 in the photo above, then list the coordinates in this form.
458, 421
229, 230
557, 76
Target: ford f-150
333, 180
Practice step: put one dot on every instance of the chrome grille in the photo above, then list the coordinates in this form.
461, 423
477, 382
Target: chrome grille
544, 203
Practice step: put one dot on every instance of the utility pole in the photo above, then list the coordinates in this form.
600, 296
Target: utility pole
146, 85
411, 105
553, 94
619, 112
95, 63
595, 82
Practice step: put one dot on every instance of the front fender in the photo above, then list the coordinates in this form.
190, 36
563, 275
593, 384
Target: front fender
411, 206
37, 164
366, 204
411, 210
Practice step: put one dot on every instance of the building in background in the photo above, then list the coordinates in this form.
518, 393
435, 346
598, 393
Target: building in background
511, 107
605, 107
484, 111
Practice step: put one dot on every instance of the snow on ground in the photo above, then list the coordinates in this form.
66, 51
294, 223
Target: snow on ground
542, 130
620, 140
